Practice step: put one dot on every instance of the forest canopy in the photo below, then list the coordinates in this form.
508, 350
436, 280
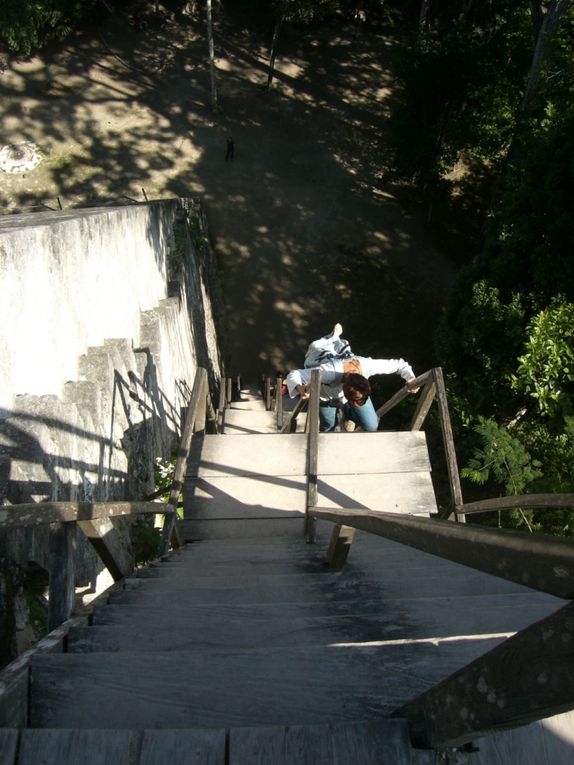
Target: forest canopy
490, 86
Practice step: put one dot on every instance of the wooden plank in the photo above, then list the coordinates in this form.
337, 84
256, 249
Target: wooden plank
404, 452
306, 622
70, 747
244, 497
14, 678
301, 744
61, 573
527, 677
269, 454
375, 742
8, 746
107, 542
237, 422
535, 560
408, 493
254, 405
323, 684
257, 746
183, 747
288, 525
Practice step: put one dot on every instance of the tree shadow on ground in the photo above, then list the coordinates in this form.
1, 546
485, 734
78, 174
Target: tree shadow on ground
305, 230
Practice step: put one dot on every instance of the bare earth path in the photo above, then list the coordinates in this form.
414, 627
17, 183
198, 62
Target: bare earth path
305, 228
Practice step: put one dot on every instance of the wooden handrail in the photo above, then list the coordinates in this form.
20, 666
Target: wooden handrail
291, 424
515, 501
527, 677
37, 514
539, 561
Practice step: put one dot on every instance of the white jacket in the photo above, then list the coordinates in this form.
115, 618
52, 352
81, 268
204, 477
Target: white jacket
332, 374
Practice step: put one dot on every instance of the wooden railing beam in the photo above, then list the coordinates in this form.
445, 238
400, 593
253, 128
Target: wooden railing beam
426, 397
538, 561
38, 514
106, 541
526, 678
517, 500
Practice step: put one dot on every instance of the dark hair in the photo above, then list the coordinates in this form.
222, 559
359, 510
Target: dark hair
356, 383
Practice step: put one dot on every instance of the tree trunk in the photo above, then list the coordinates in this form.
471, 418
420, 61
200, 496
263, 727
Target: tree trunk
273, 53
214, 103
552, 16
423, 16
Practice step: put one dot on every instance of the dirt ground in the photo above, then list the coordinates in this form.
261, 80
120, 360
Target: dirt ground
305, 227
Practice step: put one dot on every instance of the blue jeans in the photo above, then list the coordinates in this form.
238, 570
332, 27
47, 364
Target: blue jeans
364, 416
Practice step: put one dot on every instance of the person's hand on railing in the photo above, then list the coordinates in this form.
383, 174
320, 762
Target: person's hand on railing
409, 389
304, 391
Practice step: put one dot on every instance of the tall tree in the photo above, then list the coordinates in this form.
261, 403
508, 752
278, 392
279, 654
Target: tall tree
546, 17
303, 11
212, 73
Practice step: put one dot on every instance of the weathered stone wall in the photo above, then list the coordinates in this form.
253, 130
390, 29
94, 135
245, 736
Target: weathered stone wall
105, 315
68, 281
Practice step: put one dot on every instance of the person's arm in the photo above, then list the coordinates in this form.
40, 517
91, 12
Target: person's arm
389, 367
298, 380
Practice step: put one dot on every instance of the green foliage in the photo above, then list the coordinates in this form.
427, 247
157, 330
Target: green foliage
502, 457
27, 26
463, 80
145, 540
529, 244
478, 341
546, 371
304, 11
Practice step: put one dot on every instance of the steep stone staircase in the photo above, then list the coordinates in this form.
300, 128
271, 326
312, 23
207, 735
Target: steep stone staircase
244, 647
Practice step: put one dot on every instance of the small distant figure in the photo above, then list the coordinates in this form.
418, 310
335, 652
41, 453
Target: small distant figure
230, 152
139, 23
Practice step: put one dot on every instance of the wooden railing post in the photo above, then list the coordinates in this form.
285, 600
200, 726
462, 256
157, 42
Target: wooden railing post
61, 573
195, 406
267, 394
448, 441
279, 402
221, 406
312, 429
